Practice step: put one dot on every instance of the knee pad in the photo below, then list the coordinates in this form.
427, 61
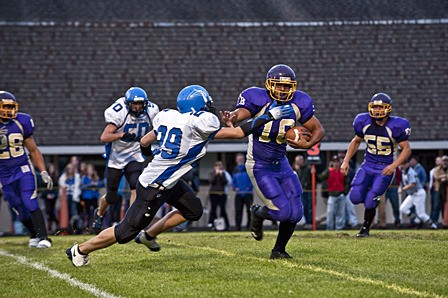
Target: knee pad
195, 212
356, 196
188, 204
282, 214
296, 215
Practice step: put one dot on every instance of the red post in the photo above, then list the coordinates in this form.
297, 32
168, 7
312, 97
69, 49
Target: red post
313, 194
63, 212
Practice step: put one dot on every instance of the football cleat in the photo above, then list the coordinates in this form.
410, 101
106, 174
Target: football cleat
75, 257
256, 224
97, 222
363, 233
280, 255
152, 244
44, 243
33, 242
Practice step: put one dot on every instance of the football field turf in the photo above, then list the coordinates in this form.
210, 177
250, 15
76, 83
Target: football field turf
391, 263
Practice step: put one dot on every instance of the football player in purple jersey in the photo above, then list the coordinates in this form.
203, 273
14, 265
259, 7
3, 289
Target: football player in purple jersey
17, 175
383, 134
269, 170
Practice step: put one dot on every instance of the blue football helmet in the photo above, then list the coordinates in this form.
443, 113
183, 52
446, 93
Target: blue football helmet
281, 82
384, 102
194, 98
136, 95
9, 107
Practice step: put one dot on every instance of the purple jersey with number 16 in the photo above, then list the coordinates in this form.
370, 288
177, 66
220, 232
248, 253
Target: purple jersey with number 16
381, 150
268, 143
267, 166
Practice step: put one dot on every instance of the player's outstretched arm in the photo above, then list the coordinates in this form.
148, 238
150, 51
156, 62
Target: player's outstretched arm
248, 127
352, 148
38, 160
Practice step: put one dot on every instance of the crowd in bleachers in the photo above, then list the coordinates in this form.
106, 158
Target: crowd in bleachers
81, 186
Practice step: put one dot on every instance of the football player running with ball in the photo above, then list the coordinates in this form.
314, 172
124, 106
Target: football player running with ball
182, 136
272, 176
383, 134
128, 119
17, 175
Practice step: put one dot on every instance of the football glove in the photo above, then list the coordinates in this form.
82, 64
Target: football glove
146, 151
278, 112
129, 137
46, 179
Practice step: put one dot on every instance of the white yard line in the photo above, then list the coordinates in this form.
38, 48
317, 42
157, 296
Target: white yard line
364, 280
56, 274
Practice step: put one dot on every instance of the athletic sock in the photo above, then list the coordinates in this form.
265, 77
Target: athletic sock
29, 225
80, 252
285, 231
38, 221
148, 237
369, 215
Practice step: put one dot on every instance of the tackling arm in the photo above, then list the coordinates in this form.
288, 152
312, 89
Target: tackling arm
248, 127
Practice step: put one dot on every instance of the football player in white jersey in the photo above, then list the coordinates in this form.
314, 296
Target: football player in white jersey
182, 136
128, 120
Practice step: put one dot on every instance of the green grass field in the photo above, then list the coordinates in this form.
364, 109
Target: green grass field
401, 263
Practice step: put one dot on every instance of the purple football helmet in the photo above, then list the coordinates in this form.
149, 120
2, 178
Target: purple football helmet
281, 82
8, 105
380, 106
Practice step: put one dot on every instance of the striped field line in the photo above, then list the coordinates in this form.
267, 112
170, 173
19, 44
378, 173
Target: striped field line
56, 274
394, 287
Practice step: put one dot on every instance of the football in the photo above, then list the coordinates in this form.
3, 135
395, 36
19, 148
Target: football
298, 132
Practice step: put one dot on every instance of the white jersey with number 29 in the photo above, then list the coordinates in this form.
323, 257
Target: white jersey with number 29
182, 140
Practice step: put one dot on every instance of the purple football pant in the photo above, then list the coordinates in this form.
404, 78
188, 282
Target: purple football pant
22, 196
279, 188
369, 184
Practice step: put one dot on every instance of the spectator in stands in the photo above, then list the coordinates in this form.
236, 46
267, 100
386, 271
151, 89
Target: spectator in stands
416, 195
128, 119
71, 182
219, 179
351, 218
90, 184
376, 172
420, 170
17, 175
336, 200
441, 176
434, 185
50, 198
303, 171
392, 196
244, 196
